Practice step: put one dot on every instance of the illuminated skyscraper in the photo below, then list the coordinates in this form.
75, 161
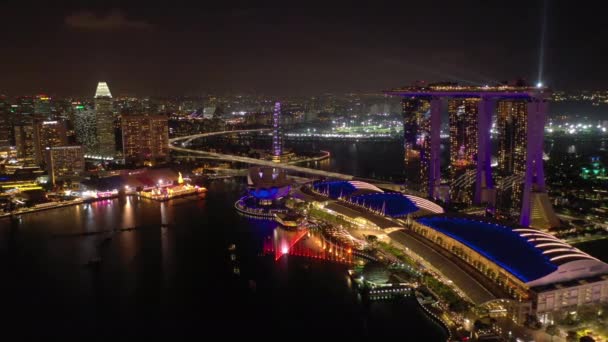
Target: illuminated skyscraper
42, 106
512, 130
64, 162
85, 126
416, 133
48, 134
106, 139
463, 131
145, 139
6, 124
277, 134
511, 124
25, 105
25, 141
462, 114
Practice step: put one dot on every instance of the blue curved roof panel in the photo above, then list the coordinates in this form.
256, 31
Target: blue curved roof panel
335, 189
496, 242
392, 204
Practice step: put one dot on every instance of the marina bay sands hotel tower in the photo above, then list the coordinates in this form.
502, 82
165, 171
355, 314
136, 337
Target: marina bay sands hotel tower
422, 111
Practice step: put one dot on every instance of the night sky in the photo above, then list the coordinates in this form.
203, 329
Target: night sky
147, 49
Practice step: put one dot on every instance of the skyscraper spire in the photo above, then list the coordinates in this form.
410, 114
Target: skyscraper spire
102, 90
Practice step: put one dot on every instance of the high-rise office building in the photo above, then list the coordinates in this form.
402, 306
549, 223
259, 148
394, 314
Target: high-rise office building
145, 139
48, 134
6, 123
511, 124
85, 126
42, 106
462, 114
25, 105
64, 162
32, 137
104, 117
25, 141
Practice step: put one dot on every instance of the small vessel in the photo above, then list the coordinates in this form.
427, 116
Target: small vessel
231, 247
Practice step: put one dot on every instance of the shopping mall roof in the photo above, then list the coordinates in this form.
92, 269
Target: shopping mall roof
369, 196
534, 257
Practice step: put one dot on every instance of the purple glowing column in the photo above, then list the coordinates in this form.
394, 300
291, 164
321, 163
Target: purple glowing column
534, 180
434, 165
484, 168
277, 138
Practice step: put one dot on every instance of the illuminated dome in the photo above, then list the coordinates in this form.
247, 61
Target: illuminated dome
267, 183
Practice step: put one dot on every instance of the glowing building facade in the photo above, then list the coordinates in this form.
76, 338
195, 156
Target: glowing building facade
462, 115
104, 115
416, 130
64, 162
42, 106
6, 129
536, 210
25, 142
145, 139
511, 124
85, 126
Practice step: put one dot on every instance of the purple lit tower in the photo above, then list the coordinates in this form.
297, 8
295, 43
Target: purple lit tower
536, 209
277, 134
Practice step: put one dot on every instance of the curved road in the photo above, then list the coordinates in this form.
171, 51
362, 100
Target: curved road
247, 160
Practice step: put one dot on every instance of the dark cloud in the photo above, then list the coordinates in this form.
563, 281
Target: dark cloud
115, 20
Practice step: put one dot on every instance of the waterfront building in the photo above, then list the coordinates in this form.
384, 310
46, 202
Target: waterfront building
64, 162
268, 190
145, 139
539, 273
50, 133
104, 118
536, 210
32, 137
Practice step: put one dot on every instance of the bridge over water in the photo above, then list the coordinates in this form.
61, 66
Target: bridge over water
185, 140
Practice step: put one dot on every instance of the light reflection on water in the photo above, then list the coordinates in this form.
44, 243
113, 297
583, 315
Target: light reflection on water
155, 278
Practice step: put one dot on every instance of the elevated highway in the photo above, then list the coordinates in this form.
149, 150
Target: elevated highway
185, 140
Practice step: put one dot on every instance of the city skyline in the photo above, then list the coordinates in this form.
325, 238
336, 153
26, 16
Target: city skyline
279, 49
432, 171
